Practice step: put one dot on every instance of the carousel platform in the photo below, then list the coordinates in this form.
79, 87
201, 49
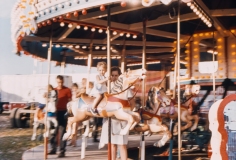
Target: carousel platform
92, 151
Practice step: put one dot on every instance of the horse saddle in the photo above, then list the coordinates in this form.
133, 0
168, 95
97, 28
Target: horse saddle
89, 100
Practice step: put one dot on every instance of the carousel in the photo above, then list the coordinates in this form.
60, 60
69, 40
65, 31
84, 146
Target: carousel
191, 43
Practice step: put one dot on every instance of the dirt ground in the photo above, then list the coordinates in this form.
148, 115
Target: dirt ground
14, 141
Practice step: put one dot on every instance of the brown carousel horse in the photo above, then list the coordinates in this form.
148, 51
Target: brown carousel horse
112, 105
171, 105
153, 114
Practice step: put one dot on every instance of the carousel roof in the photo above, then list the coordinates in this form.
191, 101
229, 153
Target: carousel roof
78, 27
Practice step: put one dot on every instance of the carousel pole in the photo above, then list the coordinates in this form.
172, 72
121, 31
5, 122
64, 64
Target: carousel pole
142, 143
213, 73
89, 64
48, 81
122, 65
178, 76
109, 75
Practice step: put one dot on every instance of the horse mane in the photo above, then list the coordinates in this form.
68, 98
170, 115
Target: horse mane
118, 85
150, 101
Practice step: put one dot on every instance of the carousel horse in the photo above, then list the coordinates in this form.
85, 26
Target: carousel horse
114, 105
185, 116
38, 119
191, 91
158, 98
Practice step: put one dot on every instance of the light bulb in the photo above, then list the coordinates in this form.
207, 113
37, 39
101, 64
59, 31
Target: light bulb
127, 35
134, 36
189, 4
62, 24
197, 13
200, 15
121, 34
97, 47
93, 29
114, 33
58, 45
84, 47
64, 46
195, 10
209, 25
85, 28
100, 30
78, 27
70, 46
77, 46
103, 48
44, 45
70, 25
192, 6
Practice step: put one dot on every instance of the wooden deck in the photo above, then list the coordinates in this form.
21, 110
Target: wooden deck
92, 151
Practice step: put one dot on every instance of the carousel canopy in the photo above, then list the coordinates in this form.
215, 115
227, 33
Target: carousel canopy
78, 27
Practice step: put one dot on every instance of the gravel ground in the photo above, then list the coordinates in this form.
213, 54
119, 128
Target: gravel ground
14, 141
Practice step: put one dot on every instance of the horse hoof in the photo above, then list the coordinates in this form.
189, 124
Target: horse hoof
33, 138
101, 145
65, 137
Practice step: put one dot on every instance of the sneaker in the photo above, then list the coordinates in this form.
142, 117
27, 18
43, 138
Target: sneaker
61, 154
52, 152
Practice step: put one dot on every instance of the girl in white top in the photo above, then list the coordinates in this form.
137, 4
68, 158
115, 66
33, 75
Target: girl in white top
100, 86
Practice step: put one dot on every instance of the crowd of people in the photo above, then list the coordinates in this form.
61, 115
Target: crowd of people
59, 97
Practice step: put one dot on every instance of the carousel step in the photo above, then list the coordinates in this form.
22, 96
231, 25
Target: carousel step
192, 156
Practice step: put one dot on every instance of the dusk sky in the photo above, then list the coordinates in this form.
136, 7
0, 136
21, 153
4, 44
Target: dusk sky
10, 63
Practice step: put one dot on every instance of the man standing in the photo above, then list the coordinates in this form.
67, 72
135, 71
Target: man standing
64, 96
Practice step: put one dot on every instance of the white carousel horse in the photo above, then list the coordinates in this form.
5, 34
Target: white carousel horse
112, 105
39, 118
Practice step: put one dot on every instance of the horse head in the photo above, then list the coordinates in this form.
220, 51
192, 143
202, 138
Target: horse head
162, 97
127, 80
192, 90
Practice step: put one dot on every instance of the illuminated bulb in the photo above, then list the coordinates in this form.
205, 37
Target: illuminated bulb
85, 28
84, 47
78, 27
195, 10
97, 47
127, 35
77, 46
200, 15
121, 34
197, 13
44, 45
100, 30
210, 25
189, 4
114, 33
93, 29
57, 45
70, 46
192, 6
134, 36
103, 48
62, 24
70, 25
64, 46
